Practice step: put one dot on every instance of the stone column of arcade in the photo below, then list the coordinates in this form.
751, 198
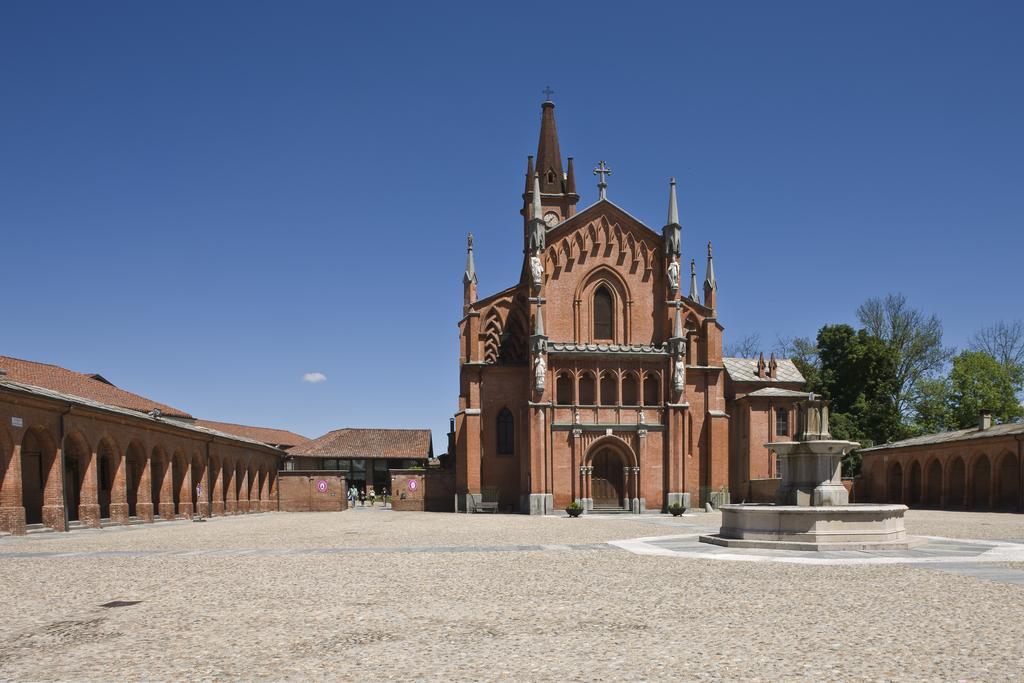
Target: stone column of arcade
812, 509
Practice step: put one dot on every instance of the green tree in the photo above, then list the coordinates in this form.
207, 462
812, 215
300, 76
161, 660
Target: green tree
979, 381
1005, 342
932, 407
858, 375
915, 339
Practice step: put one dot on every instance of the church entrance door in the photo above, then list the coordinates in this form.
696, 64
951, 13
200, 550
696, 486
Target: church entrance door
606, 480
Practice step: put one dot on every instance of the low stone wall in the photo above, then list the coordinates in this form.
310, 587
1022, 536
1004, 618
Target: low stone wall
312, 491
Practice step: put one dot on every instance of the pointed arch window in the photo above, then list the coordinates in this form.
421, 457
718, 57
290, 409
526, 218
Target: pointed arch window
563, 390
603, 318
506, 433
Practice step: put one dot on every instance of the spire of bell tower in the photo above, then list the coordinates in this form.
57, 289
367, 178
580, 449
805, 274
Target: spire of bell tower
557, 188
549, 157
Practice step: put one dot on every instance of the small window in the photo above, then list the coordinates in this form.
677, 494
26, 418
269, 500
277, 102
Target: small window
602, 313
506, 433
563, 390
782, 422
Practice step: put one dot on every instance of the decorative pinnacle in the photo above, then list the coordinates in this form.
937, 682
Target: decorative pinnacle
673, 207
677, 327
693, 280
548, 92
470, 275
602, 170
710, 279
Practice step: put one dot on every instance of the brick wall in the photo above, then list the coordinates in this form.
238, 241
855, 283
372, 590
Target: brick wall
301, 491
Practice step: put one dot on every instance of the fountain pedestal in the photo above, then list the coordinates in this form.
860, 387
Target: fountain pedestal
812, 509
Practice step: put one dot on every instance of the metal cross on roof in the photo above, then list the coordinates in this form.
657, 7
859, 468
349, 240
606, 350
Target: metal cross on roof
548, 92
602, 170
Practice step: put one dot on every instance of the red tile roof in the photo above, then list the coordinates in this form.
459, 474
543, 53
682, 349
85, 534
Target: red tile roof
268, 435
85, 385
368, 443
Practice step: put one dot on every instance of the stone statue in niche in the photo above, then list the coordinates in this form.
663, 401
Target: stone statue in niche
679, 375
576, 416
540, 369
536, 272
673, 276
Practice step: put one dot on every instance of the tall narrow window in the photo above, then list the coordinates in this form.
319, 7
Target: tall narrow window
506, 433
602, 313
781, 422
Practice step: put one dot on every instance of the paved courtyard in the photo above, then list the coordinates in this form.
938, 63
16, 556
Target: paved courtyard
381, 595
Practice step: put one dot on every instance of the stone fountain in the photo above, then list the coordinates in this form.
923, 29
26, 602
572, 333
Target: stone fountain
812, 509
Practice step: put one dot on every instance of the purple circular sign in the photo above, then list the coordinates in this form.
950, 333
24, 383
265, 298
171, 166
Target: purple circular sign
413, 484
321, 486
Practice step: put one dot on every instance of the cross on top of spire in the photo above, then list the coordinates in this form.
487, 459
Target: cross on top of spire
601, 171
548, 92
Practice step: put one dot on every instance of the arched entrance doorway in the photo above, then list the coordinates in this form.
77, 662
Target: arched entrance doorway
108, 463
1009, 483
135, 480
933, 484
982, 483
38, 460
957, 483
895, 483
914, 484
607, 484
158, 466
610, 475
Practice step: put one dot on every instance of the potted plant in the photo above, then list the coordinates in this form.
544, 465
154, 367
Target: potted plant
676, 509
574, 509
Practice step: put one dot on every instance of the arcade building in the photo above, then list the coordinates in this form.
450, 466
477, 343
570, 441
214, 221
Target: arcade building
598, 377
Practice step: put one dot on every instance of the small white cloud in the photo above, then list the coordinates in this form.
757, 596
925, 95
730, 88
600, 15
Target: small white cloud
314, 377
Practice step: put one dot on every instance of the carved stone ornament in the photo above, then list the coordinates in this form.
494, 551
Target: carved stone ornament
671, 240
673, 277
576, 416
537, 272
540, 370
537, 235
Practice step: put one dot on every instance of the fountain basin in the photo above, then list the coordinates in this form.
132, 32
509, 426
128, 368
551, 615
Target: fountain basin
823, 527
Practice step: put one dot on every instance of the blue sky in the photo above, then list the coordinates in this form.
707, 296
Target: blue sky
204, 201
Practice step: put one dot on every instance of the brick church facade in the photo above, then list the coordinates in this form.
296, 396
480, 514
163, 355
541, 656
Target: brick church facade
599, 376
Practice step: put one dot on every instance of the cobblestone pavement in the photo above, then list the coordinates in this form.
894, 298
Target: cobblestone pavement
380, 595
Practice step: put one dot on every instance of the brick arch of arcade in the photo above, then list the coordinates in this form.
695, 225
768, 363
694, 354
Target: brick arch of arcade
983, 478
63, 465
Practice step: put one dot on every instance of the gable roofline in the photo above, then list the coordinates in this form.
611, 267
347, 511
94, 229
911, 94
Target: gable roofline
580, 217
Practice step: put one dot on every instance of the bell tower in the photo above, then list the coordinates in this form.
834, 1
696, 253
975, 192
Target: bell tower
558, 196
